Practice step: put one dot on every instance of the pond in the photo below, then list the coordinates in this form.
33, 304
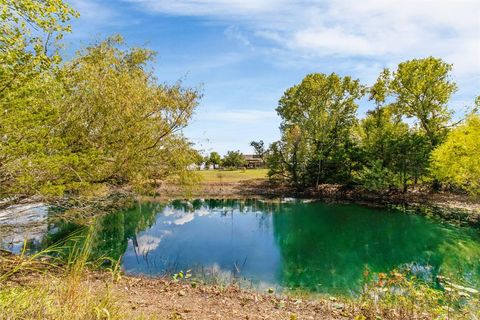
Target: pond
304, 245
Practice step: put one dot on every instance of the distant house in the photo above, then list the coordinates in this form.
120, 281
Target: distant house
253, 161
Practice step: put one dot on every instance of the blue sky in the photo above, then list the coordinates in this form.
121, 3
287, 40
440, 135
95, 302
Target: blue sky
245, 53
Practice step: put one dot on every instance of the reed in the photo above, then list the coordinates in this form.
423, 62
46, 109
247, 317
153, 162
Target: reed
53, 282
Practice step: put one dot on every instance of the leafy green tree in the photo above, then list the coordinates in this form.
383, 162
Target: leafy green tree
287, 159
117, 113
259, 147
103, 120
391, 150
233, 159
29, 33
214, 159
318, 116
421, 89
380, 132
381, 136
277, 165
197, 158
376, 177
456, 161
29, 57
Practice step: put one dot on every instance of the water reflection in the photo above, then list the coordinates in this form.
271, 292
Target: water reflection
311, 246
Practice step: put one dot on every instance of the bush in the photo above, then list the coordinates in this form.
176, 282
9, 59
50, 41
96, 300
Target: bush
233, 159
400, 295
376, 177
455, 162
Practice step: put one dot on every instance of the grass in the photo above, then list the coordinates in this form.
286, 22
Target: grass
46, 298
51, 285
226, 176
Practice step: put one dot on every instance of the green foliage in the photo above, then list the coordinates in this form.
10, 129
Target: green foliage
399, 295
318, 117
259, 147
376, 177
214, 159
456, 161
28, 30
117, 114
176, 277
233, 159
322, 141
422, 89
99, 119
392, 149
277, 164
197, 158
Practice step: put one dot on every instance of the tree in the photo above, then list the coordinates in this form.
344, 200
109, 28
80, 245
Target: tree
381, 137
117, 113
29, 59
29, 31
287, 159
197, 158
318, 116
102, 120
391, 150
421, 89
455, 162
259, 147
233, 159
214, 159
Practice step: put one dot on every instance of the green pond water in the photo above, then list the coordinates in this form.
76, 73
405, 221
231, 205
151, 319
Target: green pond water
310, 246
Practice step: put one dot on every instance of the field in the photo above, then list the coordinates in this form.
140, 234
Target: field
231, 176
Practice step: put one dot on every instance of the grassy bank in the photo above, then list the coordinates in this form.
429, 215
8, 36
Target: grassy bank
41, 288
229, 176
97, 296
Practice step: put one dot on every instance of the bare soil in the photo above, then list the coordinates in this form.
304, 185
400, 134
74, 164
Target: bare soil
168, 300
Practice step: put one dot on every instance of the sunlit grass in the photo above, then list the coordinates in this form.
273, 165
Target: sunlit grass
45, 298
52, 284
225, 176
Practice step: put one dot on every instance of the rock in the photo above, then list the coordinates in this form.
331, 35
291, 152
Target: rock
338, 306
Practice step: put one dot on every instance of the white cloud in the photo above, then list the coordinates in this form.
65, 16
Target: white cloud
148, 243
185, 219
95, 18
94, 12
234, 33
388, 31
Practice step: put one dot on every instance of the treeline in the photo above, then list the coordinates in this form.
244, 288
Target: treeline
232, 159
406, 139
78, 126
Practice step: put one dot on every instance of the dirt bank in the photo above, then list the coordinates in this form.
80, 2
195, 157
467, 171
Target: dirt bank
169, 300
150, 298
